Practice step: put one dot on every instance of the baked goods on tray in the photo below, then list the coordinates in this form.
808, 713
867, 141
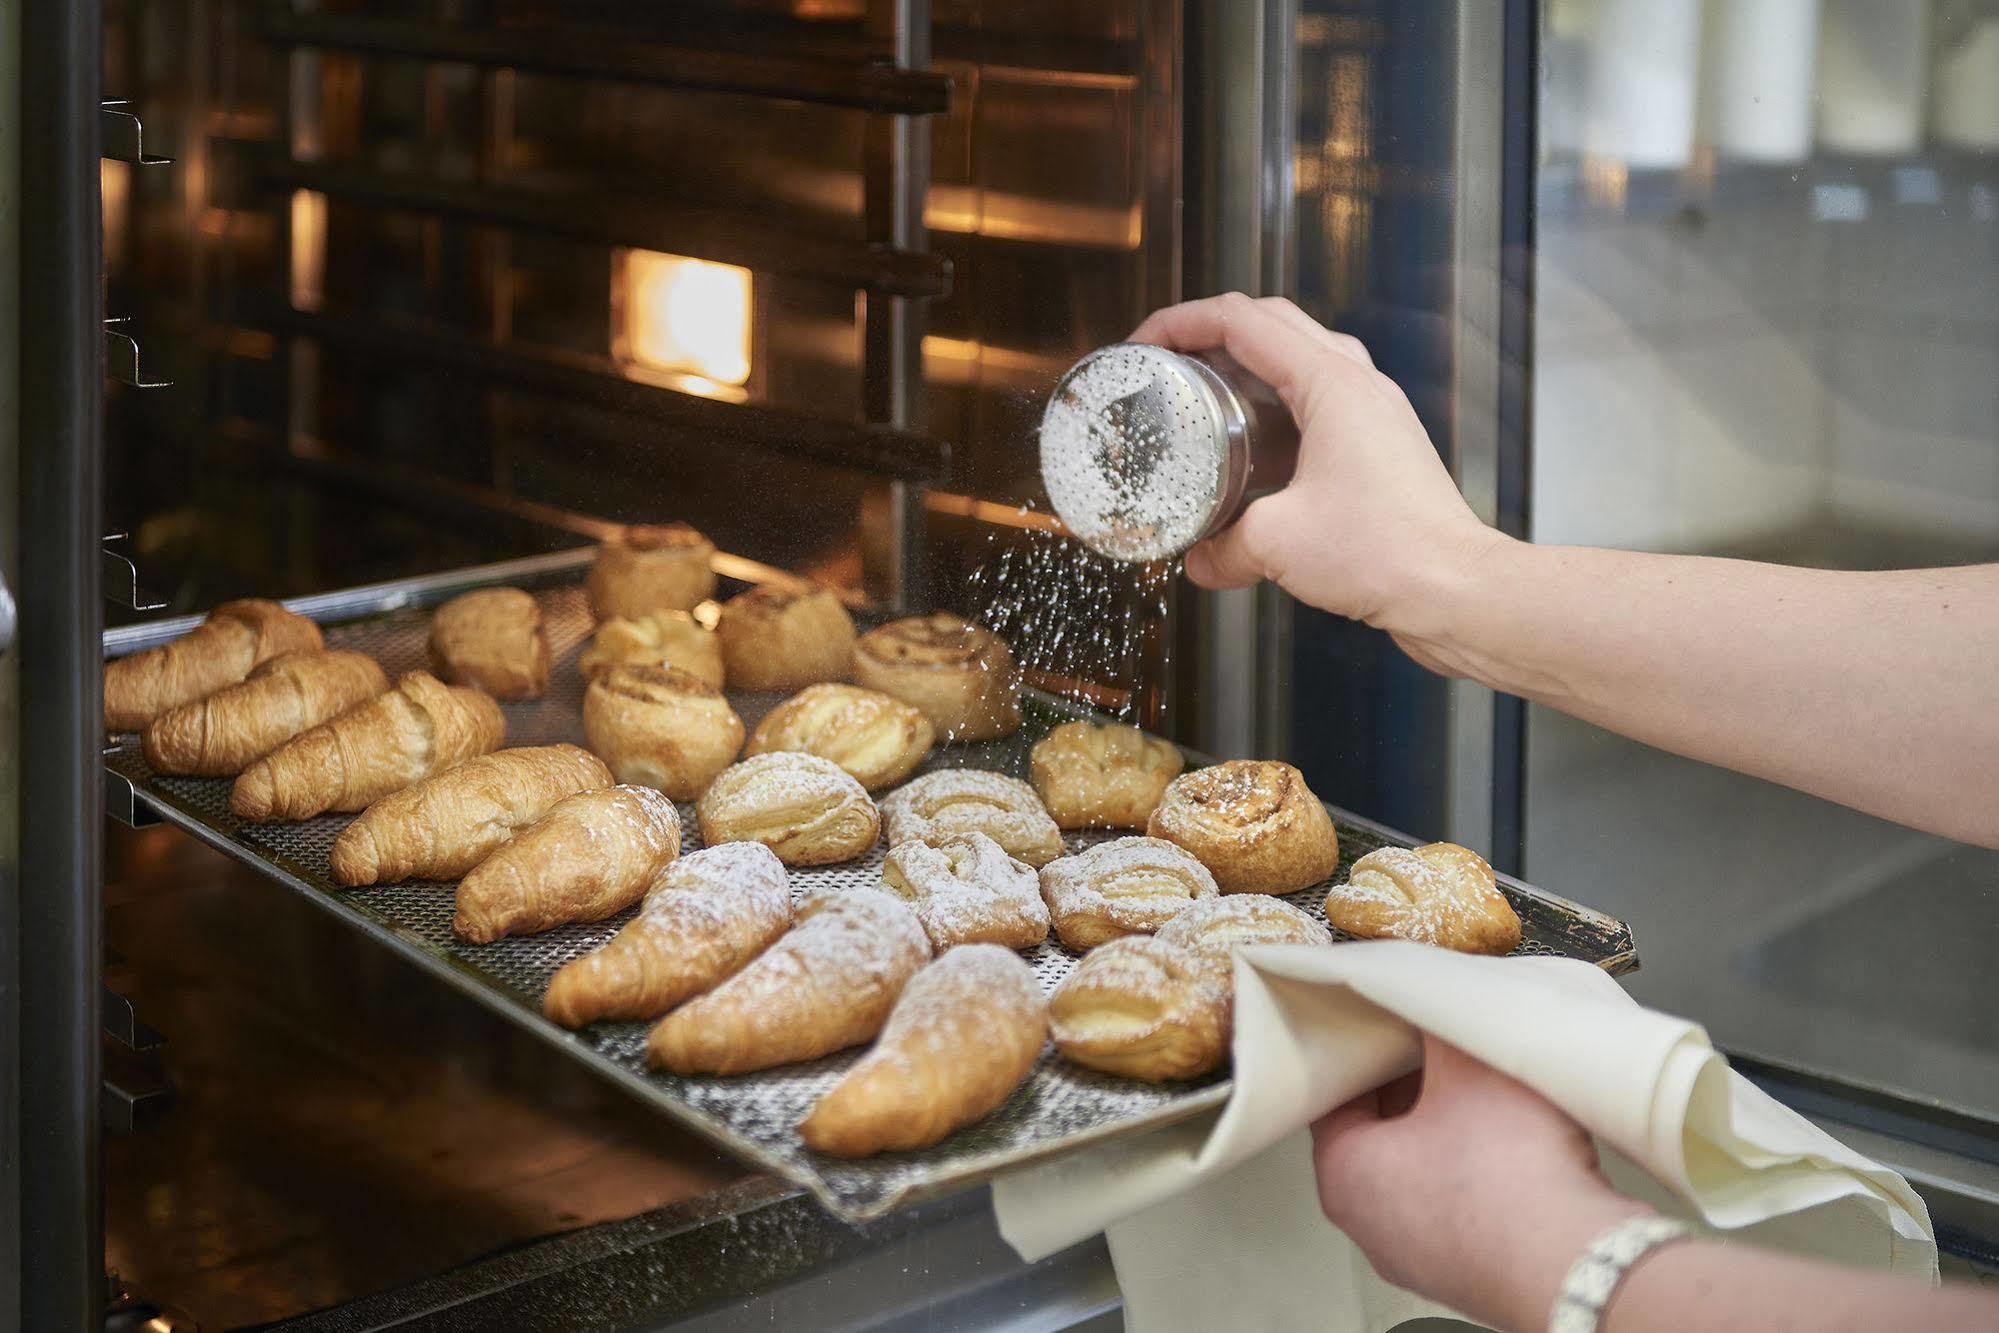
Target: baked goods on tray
1102, 774
965, 1032
1439, 893
420, 727
592, 854
651, 568
968, 800
1217, 927
785, 637
959, 674
967, 890
661, 727
491, 639
223, 734
1253, 823
808, 810
658, 638
219, 651
1128, 886
878, 739
1142, 1008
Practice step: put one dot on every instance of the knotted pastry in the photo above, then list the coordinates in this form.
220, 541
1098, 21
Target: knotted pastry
827, 985
1102, 776
808, 810
660, 638
1142, 1008
967, 1029
965, 800
1128, 886
444, 825
1439, 893
967, 890
1253, 823
420, 727
707, 914
784, 638
1217, 927
661, 727
219, 651
959, 674
877, 739
491, 639
594, 853
223, 734
645, 568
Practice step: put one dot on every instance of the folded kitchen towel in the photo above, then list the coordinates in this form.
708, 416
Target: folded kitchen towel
1215, 1223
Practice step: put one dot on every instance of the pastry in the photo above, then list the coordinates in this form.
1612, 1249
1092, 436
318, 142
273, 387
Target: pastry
1439, 893
443, 826
965, 1032
1142, 1008
1217, 927
878, 739
808, 810
784, 638
1092, 775
594, 853
1128, 886
420, 727
661, 727
967, 890
491, 639
659, 638
644, 569
219, 651
965, 800
707, 914
827, 985
223, 734
959, 674
1253, 823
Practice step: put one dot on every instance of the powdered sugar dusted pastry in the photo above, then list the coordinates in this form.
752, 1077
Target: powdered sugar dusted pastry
877, 739
1253, 823
964, 800
1440, 893
658, 638
1217, 927
967, 890
591, 855
778, 637
647, 568
1144, 1009
1129, 886
661, 727
492, 640
965, 1032
959, 674
808, 810
1107, 775
827, 985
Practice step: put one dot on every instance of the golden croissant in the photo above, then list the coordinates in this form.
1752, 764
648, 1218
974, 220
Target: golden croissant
220, 736
592, 854
219, 651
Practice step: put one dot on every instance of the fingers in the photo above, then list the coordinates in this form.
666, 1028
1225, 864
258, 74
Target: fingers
1268, 345
1338, 1143
1239, 555
1399, 1096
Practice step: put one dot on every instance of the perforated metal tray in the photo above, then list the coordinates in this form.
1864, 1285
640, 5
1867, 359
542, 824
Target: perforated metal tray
1059, 1107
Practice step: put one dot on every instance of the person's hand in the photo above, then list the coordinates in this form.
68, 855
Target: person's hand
1480, 1195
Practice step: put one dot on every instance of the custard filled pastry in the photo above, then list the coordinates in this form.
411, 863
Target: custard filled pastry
784, 638
492, 640
808, 810
1107, 775
592, 854
661, 727
827, 985
707, 914
1142, 1008
1253, 823
643, 569
659, 638
959, 674
1439, 894
223, 734
967, 800
220, 651
967, 890
967, 1029
877, 739
1129, 886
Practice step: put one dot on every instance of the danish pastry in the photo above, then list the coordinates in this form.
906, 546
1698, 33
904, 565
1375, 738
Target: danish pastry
808, 810
959, 674
1253, 823
591, 855
661, 727
785, 638
1216, 927
1093, 775
658, 638
1142, 1008
967, 1029
1129, 886
967, 890
1439, 893
643, 569
877, 739
491, 639
965, 800
219, 651
223, 734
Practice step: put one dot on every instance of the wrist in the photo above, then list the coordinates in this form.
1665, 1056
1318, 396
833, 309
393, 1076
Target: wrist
1543, 1249
1435, 608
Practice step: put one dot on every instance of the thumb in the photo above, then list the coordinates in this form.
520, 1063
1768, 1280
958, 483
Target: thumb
1239, 555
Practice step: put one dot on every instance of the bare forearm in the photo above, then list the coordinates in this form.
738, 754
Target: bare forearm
1738, 1289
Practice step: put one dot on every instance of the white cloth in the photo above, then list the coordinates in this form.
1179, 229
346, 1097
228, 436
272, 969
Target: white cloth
1215, 1223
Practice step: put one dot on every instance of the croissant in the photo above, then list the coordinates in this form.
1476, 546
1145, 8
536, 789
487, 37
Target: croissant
592, 854
220, 736
420, 727
219, 651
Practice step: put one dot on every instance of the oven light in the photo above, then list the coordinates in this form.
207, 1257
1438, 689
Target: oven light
308, 257
687, 317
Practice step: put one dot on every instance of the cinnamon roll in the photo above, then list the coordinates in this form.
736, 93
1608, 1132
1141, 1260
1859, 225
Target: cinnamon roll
967, 890
1253, 823
1129, 886
1439, 893
658, 638
878, 739
1142, 1008
784, 638
808, 810
959, 674
964, 800
661, 727
1093, 775
644, 569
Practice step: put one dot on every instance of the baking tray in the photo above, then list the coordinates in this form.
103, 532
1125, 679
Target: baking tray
1059, 1107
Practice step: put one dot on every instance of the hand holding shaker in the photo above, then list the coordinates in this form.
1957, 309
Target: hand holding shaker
1146, 450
